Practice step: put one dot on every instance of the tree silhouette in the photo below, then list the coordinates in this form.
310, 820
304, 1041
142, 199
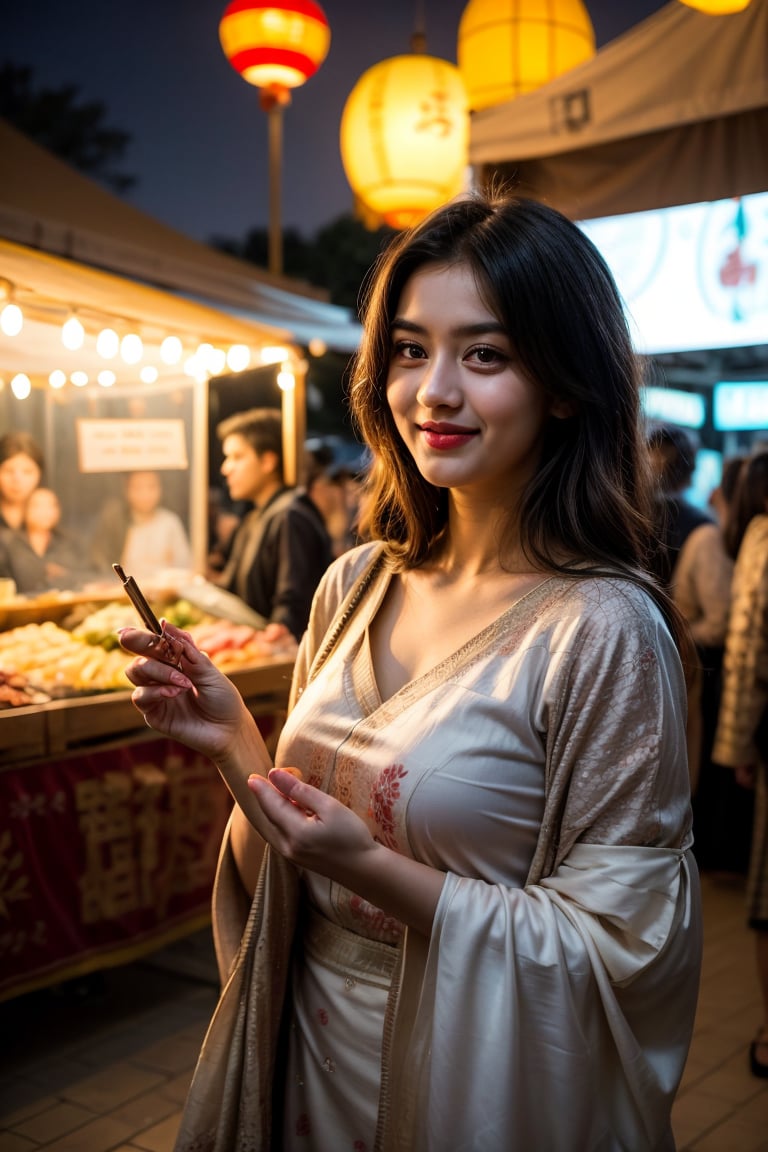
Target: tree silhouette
337, 257
60, 122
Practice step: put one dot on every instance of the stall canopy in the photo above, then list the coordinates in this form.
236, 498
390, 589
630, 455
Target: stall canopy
675, 111
47, 206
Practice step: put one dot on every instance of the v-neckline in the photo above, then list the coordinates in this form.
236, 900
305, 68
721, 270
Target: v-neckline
363, 674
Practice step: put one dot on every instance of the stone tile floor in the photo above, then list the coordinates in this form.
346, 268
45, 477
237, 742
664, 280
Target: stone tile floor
103, 1065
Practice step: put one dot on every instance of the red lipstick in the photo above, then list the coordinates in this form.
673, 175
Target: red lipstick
446, 437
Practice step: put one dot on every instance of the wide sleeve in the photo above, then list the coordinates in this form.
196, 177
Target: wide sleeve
559, 1015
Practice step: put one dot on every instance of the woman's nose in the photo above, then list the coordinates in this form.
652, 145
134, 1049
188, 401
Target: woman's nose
440, 384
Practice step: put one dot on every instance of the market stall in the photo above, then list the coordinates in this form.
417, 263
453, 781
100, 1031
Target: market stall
109, 835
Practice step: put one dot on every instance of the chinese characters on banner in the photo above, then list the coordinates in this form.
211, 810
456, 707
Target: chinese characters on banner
102, 856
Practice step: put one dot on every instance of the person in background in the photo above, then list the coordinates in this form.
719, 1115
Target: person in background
21, 470
741, 739
223, 519
40, 556
139, 533
327, 488
672, 453
701, 587
281, 548
673, 460
475, 921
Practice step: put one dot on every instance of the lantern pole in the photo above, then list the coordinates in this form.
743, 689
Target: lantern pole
275, 47
274, 100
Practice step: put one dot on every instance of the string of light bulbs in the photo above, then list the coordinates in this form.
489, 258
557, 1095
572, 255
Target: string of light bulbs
118, 340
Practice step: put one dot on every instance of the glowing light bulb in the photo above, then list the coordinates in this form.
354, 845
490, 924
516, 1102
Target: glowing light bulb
217, 361
274, 354
106, 378
21, 385
238, 357
79, 378
148, 374
11, 320
131, 348
171, 350
317, 347
107, 343
57, 378
72, 334
286, 380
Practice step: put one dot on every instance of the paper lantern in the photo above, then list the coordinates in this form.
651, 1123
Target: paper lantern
508, 47
275, 45
717, 7
405, 137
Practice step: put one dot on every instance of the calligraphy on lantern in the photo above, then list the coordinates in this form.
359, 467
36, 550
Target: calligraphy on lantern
131, 445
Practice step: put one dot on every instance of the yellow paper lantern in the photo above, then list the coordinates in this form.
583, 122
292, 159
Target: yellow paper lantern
405, 137
717, 7
508, 47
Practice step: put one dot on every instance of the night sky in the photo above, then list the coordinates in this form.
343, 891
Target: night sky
198, 137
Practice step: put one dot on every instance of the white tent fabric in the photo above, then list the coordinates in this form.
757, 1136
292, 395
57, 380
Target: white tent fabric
675, 111
47, 205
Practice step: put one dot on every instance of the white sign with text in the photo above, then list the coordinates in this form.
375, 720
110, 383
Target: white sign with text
131, 445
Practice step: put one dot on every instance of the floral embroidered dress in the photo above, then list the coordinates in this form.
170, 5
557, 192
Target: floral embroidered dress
542, 767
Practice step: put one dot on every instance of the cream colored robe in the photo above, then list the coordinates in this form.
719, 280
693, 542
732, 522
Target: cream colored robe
550, 1012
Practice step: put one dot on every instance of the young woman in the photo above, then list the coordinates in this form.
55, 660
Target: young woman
474, 923
21, 470
40, 555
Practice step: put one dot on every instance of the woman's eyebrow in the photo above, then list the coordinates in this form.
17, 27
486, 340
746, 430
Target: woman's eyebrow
462, 330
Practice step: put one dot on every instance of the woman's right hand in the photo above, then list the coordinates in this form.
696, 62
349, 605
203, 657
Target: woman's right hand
193, 703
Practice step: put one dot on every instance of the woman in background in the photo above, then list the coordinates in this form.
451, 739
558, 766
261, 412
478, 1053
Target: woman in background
701, 587
21, 470
41, 556
139, 533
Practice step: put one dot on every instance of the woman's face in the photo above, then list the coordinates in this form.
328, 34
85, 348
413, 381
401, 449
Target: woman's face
43, 509
19, 475
143, 492
468, 414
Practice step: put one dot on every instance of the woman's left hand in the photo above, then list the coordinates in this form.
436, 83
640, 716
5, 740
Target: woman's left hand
311, 828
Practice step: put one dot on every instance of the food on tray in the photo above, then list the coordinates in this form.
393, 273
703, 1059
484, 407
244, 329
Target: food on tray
88, 658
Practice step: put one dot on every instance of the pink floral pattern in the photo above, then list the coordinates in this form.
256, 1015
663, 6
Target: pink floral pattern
384, 796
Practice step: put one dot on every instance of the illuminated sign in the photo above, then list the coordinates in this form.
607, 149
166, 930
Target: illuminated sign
674, 405
692, 277
738, 407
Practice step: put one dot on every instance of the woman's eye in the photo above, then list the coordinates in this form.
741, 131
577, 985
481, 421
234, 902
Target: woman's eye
485, 354
407, 350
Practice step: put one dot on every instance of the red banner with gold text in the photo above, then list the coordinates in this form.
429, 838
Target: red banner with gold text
104, 856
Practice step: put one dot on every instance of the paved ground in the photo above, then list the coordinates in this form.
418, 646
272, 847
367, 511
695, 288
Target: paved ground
103, 1065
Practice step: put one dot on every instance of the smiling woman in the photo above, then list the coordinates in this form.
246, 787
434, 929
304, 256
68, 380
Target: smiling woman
491, 838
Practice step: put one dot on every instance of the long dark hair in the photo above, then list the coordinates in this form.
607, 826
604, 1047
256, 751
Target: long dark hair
750, 499
589, 504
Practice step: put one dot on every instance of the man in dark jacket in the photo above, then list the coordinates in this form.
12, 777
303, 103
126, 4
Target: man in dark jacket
282, 547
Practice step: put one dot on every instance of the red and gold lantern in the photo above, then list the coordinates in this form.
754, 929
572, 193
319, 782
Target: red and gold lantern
277, 44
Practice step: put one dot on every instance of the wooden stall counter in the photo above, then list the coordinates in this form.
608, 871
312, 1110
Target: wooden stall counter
109, 835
